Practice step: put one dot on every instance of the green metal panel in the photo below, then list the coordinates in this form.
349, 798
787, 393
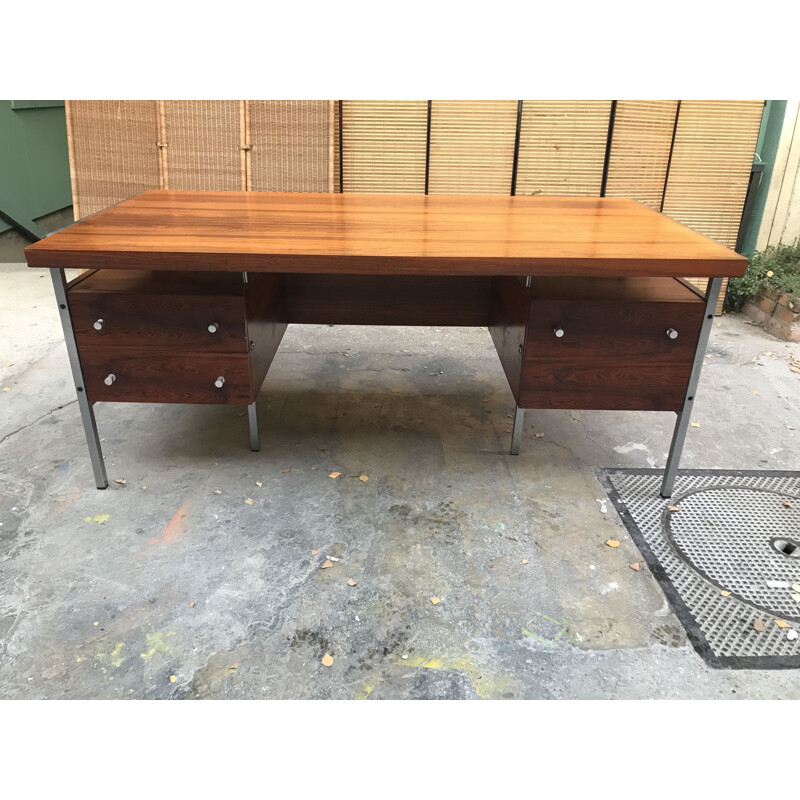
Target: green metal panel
34, 165
767, 148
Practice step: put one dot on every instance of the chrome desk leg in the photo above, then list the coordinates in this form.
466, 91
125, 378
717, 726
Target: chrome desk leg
685, 415
516, 434
252, 415
87, 413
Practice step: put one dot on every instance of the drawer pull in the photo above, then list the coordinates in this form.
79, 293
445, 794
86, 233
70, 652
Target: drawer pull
558, 331
98, 325
213, 327
672, 333
219, 382
109, 379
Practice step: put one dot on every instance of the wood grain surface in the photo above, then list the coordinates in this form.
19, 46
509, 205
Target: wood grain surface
385, 234
614, 354
388, 299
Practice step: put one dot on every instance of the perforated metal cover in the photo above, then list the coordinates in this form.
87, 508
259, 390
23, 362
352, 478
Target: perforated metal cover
735, 532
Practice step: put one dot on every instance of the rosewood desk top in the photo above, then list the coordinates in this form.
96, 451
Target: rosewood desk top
385, 234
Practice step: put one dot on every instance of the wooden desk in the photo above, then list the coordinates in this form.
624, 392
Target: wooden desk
191, 293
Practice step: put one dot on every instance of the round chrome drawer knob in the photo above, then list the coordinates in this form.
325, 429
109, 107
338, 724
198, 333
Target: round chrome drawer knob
558, 331
219, 382
672, 333
98, 326
109, 379
213, 327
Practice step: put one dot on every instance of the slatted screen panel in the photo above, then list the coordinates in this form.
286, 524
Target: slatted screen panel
640, 148
203, 139
472, 146
385, 144
113, 151
291, 145
714, 146
562, 147
711, 161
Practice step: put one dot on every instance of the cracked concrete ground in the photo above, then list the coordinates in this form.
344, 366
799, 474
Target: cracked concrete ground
172, 586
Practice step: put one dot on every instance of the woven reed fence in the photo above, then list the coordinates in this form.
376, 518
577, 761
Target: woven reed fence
689, 159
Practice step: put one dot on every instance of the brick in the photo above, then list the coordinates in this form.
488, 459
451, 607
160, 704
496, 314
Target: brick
765, 304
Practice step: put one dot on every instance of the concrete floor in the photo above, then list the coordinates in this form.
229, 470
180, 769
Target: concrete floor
171, 585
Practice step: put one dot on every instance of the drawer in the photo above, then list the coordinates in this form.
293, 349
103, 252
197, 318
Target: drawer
111, 308
611, 354
148, 375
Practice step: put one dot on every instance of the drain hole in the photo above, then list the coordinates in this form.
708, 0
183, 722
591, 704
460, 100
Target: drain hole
787, 547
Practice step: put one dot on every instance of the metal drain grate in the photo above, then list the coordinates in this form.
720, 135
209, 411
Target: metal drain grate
735, 532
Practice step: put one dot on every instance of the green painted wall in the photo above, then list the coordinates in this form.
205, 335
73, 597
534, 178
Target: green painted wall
34, 165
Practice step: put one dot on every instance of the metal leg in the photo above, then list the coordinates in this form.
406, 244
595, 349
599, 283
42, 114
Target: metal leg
516, 434
87, 413
685, 415
252, 416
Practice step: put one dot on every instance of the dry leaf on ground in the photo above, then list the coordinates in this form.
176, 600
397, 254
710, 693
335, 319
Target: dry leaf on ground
782, 623
334, 474
538, 435
788, 504
759, 625
249, 501
673, 508
120, 481
524, 560
634, 566
364, 478
695, 424
288, 469
351, 582
326, 565
725, 593
314, 552
259, 484
612, 543
436, 600
327, 660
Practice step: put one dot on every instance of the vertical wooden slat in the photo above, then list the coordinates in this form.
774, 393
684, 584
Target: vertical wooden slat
562, 147
244, 145
332, 111
384, 145
290, 145
162, 146
472, 146
71, 150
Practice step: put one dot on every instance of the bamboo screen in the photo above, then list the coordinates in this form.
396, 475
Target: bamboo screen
201, 141
112, 151
714, 146
690, 159
640, 148
472, 146
291, 145
562, 147
384, 146
715, 142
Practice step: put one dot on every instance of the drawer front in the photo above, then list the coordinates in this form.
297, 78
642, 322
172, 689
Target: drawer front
165, 375
131, 320
612, 355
